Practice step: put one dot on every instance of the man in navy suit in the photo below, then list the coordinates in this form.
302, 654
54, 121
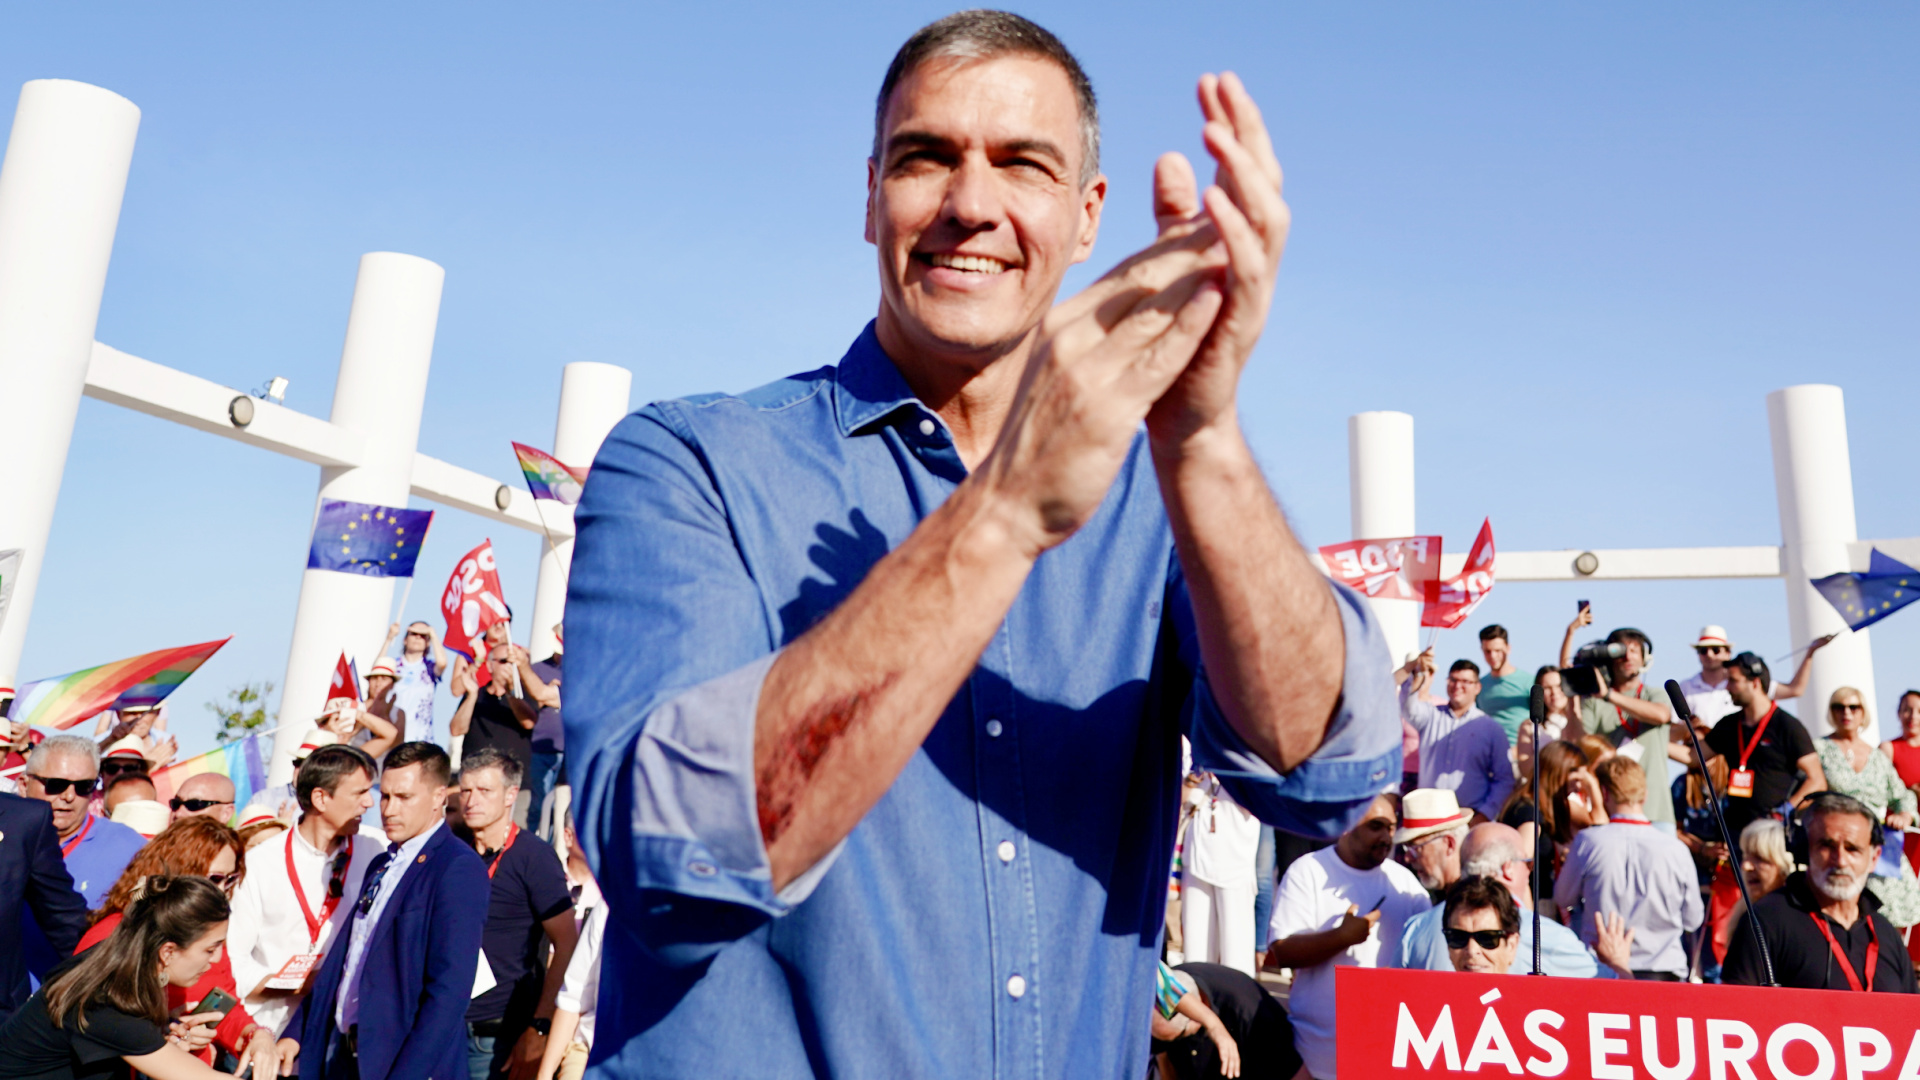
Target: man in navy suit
390, 1000
32, 876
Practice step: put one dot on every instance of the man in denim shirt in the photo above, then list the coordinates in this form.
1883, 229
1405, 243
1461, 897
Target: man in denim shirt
880, 671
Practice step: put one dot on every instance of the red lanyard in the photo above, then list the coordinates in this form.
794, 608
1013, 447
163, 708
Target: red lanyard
66, 849
513, 833
1846, 965
300, 894
1628, 821
1755, 741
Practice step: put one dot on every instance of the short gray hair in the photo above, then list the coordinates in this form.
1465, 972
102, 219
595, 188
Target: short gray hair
61, 746
982, 34
1766, 840
1494, 851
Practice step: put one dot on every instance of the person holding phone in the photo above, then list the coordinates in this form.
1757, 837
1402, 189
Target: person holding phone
110, 1002
211, 1015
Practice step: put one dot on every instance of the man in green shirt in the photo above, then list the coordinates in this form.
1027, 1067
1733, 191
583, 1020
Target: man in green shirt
1632, 716
1504, 692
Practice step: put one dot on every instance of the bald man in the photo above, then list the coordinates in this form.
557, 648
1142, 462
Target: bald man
1496, 851
204, 795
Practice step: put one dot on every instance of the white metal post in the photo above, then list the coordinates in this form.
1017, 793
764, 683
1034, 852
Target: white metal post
1380, 485
593, 398
1813, 478
60, 192
378, 396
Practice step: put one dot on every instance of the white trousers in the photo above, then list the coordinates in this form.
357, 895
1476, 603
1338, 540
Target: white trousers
1216, 924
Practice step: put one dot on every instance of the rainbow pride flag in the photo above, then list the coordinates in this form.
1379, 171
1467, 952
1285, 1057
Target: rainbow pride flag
143, 680
547, 478
240, 762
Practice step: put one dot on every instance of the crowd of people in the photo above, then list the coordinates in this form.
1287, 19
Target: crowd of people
881, 682
1446, 875
379, 913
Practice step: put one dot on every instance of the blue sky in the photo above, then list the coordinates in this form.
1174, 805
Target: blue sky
1579, 243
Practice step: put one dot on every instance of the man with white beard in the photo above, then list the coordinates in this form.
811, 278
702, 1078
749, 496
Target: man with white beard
1823, 930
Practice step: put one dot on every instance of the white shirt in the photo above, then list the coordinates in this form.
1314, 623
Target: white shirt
268, 928
1223, 840
580, 990
1710, 704
346, 1012
1313, 896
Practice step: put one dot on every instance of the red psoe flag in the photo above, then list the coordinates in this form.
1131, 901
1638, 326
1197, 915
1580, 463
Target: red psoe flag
1395, 569
473, 601
1449, 602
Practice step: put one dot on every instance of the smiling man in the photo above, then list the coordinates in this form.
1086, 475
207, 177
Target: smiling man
879, 672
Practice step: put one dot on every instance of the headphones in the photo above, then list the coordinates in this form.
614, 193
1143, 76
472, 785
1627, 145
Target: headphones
1829, 802
1646, 643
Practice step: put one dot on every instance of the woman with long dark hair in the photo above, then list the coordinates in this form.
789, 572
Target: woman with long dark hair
109, 1004
201, 847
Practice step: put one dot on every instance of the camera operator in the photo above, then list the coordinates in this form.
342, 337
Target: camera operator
1628, 713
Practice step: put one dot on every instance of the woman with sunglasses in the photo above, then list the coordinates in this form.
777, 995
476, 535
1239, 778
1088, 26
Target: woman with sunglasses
205, 848
110, 1002
1854, 767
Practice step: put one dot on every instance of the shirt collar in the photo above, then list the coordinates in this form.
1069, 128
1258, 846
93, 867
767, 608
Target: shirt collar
412, 847
867, 386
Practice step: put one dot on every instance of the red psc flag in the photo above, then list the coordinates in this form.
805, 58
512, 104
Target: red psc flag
1396, 569
1449, 602
473, 601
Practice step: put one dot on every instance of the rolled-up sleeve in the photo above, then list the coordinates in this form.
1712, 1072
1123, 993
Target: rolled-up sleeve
1359, 757
670, 642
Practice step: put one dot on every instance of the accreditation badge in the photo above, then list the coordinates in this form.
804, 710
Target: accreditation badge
1740, 784
294, 975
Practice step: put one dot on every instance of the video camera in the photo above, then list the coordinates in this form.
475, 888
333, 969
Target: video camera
1583, 676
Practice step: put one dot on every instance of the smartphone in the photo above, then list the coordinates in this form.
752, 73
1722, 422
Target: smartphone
216, 1001
1584, 605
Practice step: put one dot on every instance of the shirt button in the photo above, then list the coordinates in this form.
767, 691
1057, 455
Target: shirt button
926, 427
1006, 853
993, 729
1016, 987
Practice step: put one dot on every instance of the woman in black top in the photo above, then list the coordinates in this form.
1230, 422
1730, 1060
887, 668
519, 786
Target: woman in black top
109, 1004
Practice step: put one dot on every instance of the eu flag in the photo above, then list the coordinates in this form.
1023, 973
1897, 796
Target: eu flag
361, 538
1865, 599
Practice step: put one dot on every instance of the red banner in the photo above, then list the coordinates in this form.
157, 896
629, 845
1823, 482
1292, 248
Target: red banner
1395, 569
473, 601
1438, 1023
1449, 602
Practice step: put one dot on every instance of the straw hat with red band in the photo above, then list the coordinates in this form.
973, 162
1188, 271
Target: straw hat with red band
128, 748
384, 666
255, 815
1425, 811
1712, 637
315, 739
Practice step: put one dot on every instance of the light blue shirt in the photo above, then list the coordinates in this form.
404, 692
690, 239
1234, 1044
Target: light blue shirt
1466, 755
400, 857
1006, 896
1422, 947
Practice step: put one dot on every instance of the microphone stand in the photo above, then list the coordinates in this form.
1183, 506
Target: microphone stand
1536, 713
1680, 709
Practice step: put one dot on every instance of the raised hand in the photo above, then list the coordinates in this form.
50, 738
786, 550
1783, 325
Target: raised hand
1104, 358
1252, 220
1354, 927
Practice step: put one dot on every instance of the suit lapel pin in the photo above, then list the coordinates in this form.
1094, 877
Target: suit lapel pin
422, 858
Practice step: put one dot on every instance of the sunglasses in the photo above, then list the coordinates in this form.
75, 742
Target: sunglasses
115, 766
418, 633
1841, 706
58, 785
1714, 650
1486, 939
226, 882
195, 805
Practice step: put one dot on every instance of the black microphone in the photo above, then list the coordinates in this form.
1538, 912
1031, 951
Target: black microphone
1537, 713
1685, 714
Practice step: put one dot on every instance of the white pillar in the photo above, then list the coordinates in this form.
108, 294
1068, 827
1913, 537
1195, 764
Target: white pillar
1813, 477
593, 398
1380, 485
60, 190
378, 396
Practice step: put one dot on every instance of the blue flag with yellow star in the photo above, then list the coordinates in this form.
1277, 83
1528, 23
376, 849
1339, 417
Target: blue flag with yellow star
361, 538
1865, 599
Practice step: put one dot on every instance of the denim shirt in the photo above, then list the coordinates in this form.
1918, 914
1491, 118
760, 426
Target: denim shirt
998, 912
